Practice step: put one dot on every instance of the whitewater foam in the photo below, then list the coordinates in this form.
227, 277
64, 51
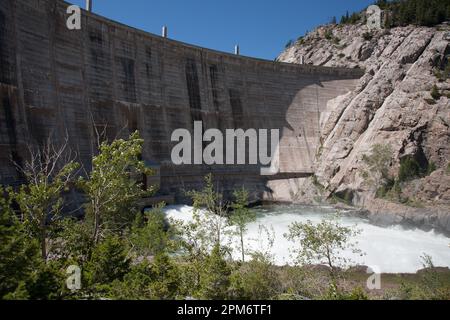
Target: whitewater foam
393, 249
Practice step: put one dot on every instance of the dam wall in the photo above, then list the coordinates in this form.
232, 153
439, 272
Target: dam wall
107, 80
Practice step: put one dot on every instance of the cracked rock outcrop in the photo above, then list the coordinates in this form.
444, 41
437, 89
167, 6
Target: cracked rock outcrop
392, 105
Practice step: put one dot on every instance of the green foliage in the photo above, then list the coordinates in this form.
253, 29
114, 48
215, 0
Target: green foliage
418, 12
435, 94
356, 293
385, 188
156, 280
255, 280
432, 284
165, 278
443, 72
136, 284
241, 216
23, 272
354, 18
76, 241
109, 262
47, 282
448, 168
112, 188
144, 256
378, 162
151, 234
41, 200
19, 254
405, 12
209, 226
215, 280
367, 36
323, 243
409, 169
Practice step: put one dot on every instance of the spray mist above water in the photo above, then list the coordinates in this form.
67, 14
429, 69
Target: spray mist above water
394, 249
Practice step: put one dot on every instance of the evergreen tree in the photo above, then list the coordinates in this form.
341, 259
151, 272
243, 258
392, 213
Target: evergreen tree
109, 262
151, 234
165, 278
404, 12
215, 279
19, 254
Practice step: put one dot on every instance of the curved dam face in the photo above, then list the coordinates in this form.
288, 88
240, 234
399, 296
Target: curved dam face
109, 79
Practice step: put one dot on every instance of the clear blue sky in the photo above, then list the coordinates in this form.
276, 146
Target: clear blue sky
261, 27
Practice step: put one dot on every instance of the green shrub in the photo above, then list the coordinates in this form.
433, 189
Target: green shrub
448, 168
418, 12
108, 262
435, 94
215, 280
409, 169
328, 35
257, 279
367, 36
357, 293
383, 191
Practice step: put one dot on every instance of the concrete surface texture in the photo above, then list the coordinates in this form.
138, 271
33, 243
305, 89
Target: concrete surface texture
111, 78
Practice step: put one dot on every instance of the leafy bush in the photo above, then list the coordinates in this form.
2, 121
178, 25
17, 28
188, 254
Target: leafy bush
255, 280
383, 191
409, 169
435, 94
109, 262
367, 36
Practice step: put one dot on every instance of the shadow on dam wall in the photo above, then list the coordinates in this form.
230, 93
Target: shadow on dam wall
113, 79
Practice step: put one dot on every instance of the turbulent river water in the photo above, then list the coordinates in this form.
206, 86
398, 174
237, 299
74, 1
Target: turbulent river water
394, 249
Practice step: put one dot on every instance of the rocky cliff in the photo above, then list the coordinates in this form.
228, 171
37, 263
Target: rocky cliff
402, 101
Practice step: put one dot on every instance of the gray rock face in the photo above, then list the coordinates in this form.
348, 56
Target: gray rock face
391, 105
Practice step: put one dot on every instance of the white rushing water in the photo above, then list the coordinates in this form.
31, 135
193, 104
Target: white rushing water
393, 250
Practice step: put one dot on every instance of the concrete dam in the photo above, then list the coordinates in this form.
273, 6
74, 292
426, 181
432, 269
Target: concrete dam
114, 79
